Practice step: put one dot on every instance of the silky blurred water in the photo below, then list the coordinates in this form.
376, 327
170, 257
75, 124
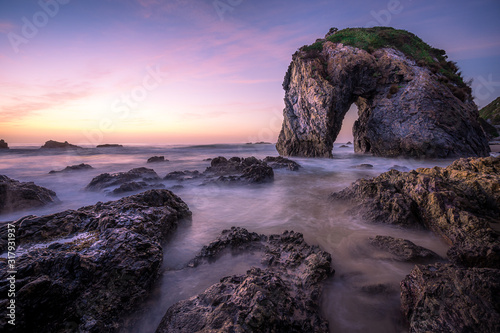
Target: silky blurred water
294, 201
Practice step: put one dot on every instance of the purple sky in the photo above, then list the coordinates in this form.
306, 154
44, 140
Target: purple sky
174, 71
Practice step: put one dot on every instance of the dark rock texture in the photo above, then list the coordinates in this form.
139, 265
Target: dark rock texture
240, 170
404, 109
106, 180
15, 196
88, 285
460, 203
182, 175
79, 167
3, 144
135, 186
447, 298
280, 298
59, 145
157, 159
403, 249
281, 163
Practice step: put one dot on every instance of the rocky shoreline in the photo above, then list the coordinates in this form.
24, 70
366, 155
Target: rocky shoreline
89, 269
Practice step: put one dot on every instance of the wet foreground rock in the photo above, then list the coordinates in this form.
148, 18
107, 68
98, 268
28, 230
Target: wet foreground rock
282, 297
448, 298
88, 283
16, 196
460, 203
403, 249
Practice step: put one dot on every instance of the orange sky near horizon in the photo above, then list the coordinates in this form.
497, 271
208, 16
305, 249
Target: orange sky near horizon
177, 72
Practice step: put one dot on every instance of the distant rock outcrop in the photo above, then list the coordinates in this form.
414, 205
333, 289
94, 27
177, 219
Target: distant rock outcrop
411, 101
59, 145
16, 196
156, 159
3, 144
109, 145
79, 167
491, 112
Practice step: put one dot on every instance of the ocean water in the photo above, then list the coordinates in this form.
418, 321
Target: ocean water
296, 201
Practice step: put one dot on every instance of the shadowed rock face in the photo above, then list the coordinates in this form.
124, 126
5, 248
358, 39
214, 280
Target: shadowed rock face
403, 109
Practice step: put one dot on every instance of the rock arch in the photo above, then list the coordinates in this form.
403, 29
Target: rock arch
404, 108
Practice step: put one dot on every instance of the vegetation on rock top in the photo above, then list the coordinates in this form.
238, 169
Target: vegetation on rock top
372, 39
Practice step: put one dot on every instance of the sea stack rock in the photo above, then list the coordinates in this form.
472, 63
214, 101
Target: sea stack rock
411, 101
59, 145
3, 144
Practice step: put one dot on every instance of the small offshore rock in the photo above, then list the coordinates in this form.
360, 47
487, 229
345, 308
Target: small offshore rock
107, 180
157, 159
16, 196
51, 144
281, 163
182, 175
110, 145
3, 144
79, 167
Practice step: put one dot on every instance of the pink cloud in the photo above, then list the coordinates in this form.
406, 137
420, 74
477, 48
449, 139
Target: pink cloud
6, 27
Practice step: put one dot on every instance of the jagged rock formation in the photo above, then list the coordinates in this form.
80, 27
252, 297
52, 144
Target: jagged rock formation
460, 203
3, 144
59, 145
283, 297
72, 168
88, 284
411, 101
448, 298
16, 196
